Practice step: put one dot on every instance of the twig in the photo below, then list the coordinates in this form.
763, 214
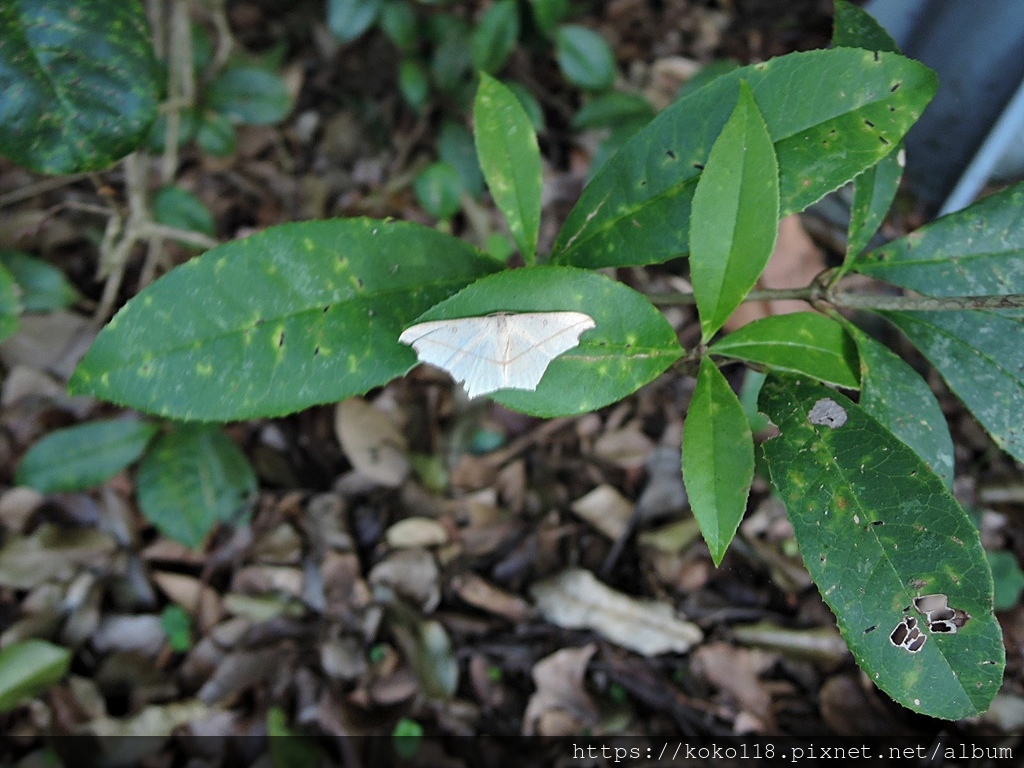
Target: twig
164, 232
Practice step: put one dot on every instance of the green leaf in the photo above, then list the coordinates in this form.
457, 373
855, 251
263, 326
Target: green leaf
289, 747
179, 208
510, 159
28, 668
348, 19
611, 110
856, 28
718, 459
250, 95
455, 146
1008, 579
831, 115
630, 346
800, 342
413, 83
10, 303
894, 394
216, 135
549, 13
398, 20
177, 625
735, 215
296, 315
407, 738
978, 251
873, 193
980, 356
876, 529
451, 62
495, 36
83, 456
584, 57
43, 287
79, 83
191, 479
528, 102
438, 188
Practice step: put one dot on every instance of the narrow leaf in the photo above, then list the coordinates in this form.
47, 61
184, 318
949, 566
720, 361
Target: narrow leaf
10, 303
28, 668
981, 357
894, 394
83, 456
718, 459
800, 342
584, 57
831, 115
735, 215
978, 251
495, 36
192, 479
631, 344
878, 529
79, 83
296, 315
510, 159
873, 193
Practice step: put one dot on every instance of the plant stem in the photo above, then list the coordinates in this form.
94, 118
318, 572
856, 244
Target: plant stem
816, 294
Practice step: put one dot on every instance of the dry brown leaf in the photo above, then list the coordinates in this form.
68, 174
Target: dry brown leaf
192, 595
627, 447
736, 671
52, 552
606, 509
411, 573
239, 671
561, 705
483, 595
416, 532
50, 341
17, 505
575, 599
371, 442
268, 579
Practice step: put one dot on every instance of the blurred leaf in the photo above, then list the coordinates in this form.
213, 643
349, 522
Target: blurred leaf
455, 146
28, 668
249, 95
83, 456
1008, 579
177, 626
179, 208
495, 36
289, 748
451, 63
191, 479
79, 83
43, 287
718, 459
438, 187
611, 110
856, 28
348, 19
10, 303
202, 48
407, 737
529, 102
709, 72
413, 83
549, 13
584, 57
735, 215
398, 20
188, 127
216, 135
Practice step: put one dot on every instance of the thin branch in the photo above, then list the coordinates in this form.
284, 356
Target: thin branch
162, 231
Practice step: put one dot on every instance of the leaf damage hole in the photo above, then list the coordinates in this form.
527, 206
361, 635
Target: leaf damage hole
907, 636
827, 412
670, 153
870, 629
699, 166
877, 56
868, 123
895, 87
942, 619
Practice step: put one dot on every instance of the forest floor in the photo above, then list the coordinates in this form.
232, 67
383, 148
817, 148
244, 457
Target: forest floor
481, 522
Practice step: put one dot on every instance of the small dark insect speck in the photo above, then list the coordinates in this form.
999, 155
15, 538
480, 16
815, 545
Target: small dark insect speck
670, 153
698, 166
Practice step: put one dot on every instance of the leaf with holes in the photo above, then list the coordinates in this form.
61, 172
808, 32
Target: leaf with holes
800, 342
831, 115
718, 459
510, 159
735, 215
193, 478
296, 315
877, 529
79, 83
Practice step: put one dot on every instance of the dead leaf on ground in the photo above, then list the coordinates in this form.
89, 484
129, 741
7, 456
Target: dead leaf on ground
412, 574
483, 595
606, 509
627, 447
192, 595
371, 442
561, 705
736, 672
416, 532
52, 552
575, 599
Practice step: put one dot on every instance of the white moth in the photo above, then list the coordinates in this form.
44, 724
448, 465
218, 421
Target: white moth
499, 351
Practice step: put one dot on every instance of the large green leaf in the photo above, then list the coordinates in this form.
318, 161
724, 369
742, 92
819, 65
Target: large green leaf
800, 342
296, 315
877, 529
978, 251
193, 478
631, 344
79, 83
981, 357
831, 114
28, 668
718, 458
735, 215
510, 159
80, 457
894, 394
